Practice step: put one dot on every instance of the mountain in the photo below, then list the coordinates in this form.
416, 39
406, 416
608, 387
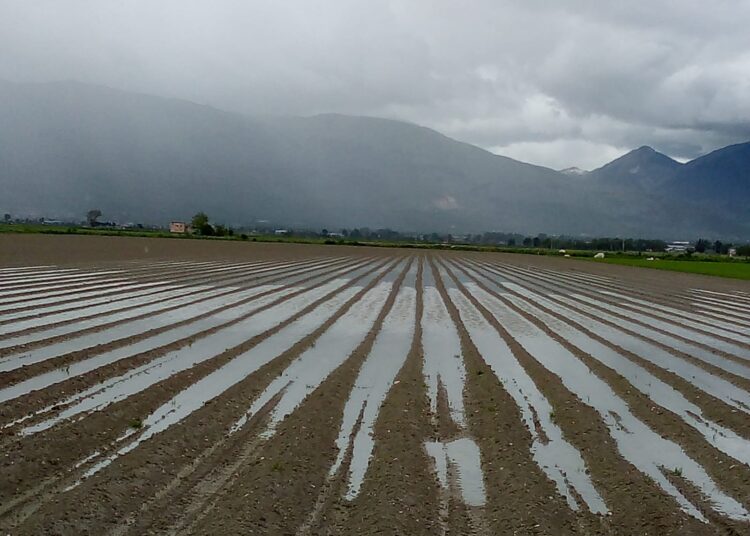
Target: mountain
722, 177
68, 147
708, 196
643, 166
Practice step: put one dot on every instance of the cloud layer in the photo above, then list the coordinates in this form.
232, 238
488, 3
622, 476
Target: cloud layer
574, 84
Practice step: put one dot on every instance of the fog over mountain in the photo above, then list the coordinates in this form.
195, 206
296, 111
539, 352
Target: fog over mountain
559, 84
68, 147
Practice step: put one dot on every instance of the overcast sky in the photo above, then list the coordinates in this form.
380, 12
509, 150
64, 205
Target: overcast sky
560, 84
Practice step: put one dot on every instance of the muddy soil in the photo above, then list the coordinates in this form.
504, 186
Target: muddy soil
224, 417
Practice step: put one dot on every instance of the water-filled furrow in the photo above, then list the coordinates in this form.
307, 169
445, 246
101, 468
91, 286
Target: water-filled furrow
684, 333
136, 380
236, 370
673, 314
734, 293
697, 352
443, 367
46, 298
556, 457
660, 392
12, 328
677, 302
651, 318
73, 304
373, 383
103, 314
25, 269
727, 330
443, 359
156, 306
13, 274
146, 275
735, 303
712, 312
725, 307
28, 284
211, 308
695, 375
99, 306
16, 296
148, 344
636, 442
315, 364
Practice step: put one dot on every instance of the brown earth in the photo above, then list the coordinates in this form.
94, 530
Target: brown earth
197, 478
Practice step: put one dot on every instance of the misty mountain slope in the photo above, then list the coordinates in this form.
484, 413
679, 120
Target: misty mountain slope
707, 196
722, 176
643, 167
401, 174
68, 147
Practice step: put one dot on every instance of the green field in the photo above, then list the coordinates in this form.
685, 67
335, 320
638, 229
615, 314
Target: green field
733, 269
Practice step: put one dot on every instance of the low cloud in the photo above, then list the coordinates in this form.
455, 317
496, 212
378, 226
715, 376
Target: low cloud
557, 84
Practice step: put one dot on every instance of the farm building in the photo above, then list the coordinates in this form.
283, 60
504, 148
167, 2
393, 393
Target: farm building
179, 227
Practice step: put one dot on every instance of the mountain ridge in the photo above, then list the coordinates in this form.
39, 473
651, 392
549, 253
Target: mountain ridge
68, 147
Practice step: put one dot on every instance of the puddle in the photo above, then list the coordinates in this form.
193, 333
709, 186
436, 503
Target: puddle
640, 445
460, 457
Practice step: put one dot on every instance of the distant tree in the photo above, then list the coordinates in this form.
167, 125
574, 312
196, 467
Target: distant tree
718, 246
7, 217
92, 216
199, 220
344, 232
511, 242
201, 226
536, 241
701, 245
324, 232
220, 230
744, 250
527, 241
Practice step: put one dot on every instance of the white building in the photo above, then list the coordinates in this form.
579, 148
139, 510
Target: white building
678, 247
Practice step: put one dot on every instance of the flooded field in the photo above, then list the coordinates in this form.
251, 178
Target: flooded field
190, 387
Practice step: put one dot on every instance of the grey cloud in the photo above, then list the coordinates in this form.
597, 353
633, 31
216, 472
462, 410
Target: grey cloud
560, 84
